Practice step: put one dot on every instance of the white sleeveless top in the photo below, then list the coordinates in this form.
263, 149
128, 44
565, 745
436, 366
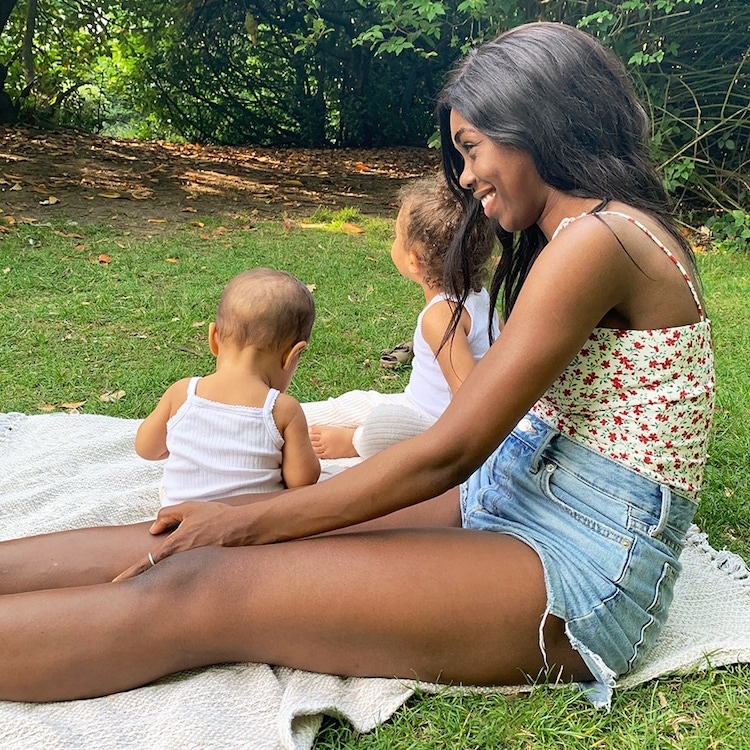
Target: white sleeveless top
220, 450
427, 388
644, 398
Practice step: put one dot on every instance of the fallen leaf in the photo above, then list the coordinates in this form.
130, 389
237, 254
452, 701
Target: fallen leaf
156, 221
80, 246
16, 187
40, 188
9, 220
199, 323
312, 287
292, 183
71, 405
104, 259
50, 201
109, 195
111, 396
351, 228
312, 226
198, 224
361, 167
72, 235
6, 270
47, 407
172, 260
141, 194
190, 210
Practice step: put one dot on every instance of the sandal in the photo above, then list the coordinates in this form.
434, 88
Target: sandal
401, 354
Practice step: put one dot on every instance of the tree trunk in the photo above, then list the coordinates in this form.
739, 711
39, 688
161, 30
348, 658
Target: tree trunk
27, 54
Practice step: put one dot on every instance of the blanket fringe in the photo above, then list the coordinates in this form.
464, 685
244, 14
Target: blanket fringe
733, 566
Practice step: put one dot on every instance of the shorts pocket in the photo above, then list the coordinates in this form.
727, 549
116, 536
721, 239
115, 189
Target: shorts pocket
591, 533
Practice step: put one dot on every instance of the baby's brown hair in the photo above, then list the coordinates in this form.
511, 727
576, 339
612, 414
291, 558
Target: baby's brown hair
432, 216
265, 308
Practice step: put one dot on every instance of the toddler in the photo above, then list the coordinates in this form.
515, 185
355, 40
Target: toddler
236, 431
361, 423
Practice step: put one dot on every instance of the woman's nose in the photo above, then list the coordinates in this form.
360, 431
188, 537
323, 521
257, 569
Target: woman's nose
467, 179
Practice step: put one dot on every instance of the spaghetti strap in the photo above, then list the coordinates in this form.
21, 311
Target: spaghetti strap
192, 385
565, 222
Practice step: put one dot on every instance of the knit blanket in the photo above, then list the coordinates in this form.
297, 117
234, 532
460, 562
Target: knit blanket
62, 471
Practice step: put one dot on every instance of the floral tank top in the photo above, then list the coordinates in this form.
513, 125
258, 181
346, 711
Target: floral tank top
644, 398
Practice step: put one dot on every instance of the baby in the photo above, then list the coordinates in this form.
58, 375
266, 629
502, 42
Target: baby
236, 431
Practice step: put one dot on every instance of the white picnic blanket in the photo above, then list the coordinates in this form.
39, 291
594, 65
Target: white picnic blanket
65, 471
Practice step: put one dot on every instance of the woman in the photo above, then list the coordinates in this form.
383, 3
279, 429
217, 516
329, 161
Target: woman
578, 442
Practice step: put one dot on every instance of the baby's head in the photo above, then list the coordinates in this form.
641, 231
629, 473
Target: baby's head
430, 216
266, 309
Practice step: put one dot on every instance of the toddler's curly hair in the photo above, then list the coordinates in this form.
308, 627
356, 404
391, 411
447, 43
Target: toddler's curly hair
432, 216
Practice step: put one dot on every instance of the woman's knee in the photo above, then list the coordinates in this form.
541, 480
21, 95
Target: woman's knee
189, 576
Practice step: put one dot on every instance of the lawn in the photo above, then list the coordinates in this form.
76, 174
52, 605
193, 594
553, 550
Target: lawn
102, 321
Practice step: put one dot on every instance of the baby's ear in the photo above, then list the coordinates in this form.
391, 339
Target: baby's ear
213, 339
292, 356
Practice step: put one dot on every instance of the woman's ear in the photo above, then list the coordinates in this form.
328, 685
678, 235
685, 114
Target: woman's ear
213, 339
292, 356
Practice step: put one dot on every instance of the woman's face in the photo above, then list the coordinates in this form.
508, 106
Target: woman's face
503, 178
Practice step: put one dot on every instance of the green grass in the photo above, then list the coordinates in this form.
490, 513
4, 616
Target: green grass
73, 330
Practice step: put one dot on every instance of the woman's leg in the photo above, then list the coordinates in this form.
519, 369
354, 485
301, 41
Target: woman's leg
79, 557
83, 557
434, 604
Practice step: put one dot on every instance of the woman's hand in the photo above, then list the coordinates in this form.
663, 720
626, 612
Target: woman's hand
190, 525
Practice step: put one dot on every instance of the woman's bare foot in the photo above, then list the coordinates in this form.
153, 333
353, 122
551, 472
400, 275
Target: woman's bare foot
332, 442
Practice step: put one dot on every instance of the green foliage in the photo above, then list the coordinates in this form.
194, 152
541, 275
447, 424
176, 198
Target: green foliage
731, 230
366, 72
690, 61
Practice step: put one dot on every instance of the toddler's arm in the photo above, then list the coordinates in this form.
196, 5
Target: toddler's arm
151, 438
456, 359
299, 464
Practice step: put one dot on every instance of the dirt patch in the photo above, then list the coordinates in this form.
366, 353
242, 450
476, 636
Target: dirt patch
89, 179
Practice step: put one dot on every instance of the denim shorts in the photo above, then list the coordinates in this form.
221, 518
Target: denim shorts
608, 538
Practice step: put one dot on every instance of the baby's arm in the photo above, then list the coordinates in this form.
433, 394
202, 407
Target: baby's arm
299, 464
456, 359
151, 438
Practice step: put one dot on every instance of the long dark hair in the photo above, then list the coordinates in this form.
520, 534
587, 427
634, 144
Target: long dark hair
556, 93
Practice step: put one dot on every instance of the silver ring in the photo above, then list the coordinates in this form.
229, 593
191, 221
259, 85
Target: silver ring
151, 559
